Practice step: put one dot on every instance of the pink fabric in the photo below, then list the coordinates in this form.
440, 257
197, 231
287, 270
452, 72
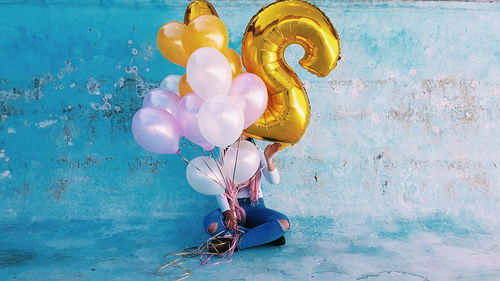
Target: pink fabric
254, 184
232, 195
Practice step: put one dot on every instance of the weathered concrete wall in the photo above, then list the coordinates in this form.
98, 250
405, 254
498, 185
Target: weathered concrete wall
405, 131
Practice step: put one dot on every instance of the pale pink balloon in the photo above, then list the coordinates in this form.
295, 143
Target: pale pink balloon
208, 72
156, 130
221, 120
161, 98
251, 93
187, 119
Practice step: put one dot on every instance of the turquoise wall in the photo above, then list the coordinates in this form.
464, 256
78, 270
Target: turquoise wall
405, 132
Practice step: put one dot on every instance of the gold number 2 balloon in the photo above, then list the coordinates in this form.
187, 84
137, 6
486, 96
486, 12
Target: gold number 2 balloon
268, 34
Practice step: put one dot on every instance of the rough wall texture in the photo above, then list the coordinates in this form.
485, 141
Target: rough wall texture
406, 130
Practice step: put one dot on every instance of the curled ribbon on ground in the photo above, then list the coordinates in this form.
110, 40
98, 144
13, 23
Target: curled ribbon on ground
268, 34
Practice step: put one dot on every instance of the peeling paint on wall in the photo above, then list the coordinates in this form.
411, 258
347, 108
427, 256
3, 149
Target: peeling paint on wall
406, 127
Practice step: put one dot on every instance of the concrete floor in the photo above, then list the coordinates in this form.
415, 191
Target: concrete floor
133, 250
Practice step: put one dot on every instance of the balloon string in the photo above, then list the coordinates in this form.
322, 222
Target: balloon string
195, 147
176, 259
226, 183
231, 190
204, 154
236, 160
259, 171
215, 175
220, 165
187, 161
182, 157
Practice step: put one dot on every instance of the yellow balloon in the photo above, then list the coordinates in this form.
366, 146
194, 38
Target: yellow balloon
169, 40
205, 31
269, 32
234, 61
198, 8
184, 87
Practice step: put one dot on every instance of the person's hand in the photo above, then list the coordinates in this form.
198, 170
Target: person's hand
230, 220
271, 150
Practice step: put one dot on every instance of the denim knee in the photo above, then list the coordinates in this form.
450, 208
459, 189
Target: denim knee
213, 218
212, 228
285, 226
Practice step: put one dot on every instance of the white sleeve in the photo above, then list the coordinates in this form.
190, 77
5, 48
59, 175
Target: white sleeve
273, 177
223, 203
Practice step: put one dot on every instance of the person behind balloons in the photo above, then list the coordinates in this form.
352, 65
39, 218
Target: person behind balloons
259, 225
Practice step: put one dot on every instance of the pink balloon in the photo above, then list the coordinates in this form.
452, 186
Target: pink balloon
156, 130
187, 119
251, 93
161, 98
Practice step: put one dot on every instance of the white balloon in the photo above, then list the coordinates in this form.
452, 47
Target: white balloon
241, 161
209, 73
171, 83
204, 176
221, 120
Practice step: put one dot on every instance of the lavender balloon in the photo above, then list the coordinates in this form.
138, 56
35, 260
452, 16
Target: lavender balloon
161, 98
187, 119
251, 93
156, 130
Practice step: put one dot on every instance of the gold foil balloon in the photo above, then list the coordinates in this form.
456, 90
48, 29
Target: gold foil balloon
205, 31
169, 40
268, 34
184, 87
198, 8
234, 60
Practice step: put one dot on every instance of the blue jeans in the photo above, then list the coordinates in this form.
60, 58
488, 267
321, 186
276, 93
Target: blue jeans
262, 224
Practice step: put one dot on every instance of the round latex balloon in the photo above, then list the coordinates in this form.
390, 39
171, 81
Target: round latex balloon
187, 119
156, 130
204, 176
198, 8
171, 83
161, 98
205, 31
241, 161
234, 61
184, 87
251, 91
169, 41
269, 32
208, 73
221, 120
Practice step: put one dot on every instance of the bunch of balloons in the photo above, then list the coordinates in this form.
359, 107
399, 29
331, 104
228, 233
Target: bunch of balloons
216, 100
